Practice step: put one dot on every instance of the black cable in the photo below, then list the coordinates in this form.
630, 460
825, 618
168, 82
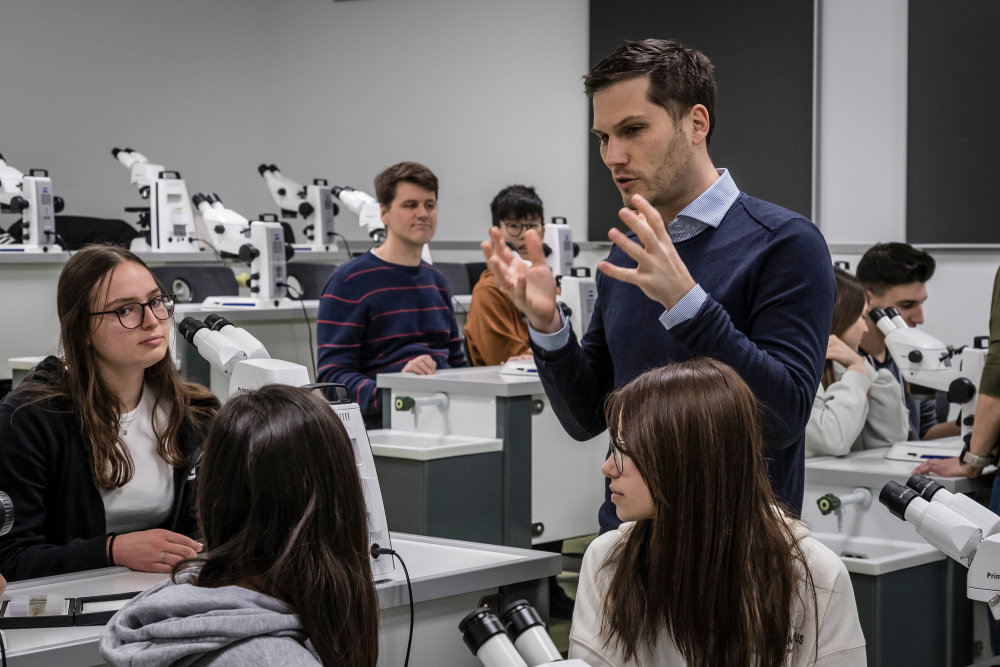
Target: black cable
347, 246
379, 551
305, 314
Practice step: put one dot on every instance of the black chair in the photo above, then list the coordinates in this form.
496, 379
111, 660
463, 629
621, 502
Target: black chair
456, 275
475, 271
195, 283
308, 279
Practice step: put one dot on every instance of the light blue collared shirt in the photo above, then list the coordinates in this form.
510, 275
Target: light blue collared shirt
707, 210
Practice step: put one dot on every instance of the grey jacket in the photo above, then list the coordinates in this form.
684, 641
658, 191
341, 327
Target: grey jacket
185, 625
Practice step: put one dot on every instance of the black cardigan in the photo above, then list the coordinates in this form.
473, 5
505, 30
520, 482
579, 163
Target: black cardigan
46, 468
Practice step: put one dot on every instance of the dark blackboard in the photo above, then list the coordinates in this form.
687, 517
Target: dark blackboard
763, 56
953, 104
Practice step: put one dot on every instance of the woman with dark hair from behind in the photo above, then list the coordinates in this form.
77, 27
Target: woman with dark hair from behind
97, 447
285, 575
707, 570
856, 407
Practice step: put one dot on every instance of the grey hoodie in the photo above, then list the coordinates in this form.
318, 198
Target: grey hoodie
185, 625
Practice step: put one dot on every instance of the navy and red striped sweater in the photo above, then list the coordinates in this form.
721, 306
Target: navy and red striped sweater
375, 316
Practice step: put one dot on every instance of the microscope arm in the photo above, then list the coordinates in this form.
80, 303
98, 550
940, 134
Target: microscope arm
366, 208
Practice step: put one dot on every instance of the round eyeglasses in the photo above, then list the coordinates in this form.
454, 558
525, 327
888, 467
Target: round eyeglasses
618, 453
516, 228
131, 315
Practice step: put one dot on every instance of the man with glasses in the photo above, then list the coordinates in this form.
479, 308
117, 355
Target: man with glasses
705, 270
495, 330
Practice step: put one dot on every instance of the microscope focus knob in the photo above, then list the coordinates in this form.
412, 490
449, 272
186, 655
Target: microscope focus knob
916, 356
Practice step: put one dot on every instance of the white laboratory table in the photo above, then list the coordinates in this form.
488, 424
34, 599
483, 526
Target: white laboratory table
449, 579
566, 485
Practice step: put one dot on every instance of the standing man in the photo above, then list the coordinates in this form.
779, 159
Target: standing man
495, 329
387, 310
706, 270
896, 274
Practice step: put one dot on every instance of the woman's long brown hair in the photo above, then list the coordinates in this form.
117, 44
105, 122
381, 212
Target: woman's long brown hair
82, 285
850, 303
281, 509
717, 567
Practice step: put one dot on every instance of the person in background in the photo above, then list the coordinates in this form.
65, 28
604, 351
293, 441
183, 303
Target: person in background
495, 330
896, 274
856, 407
285, 576
98, 447
708, 569
705, 270
981, 450
387, 310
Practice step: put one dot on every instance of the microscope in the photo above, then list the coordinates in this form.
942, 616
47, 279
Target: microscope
962, 529
260, 244
31, 197
926, 362
167, 224
577, 289
313, 203
517, 639
240, 357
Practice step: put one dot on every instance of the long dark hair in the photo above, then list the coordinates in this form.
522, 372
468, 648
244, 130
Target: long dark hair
281, 511
82, 284
850, 303
717, 567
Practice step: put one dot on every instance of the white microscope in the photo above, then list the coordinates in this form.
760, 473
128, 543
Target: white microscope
518, 640
924, 361
962, 529
240, 357
31, 197
168, 218
577, 289
313, 203
260, 244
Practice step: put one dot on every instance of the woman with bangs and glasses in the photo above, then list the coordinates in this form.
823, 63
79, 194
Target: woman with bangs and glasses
707, 570
98, 448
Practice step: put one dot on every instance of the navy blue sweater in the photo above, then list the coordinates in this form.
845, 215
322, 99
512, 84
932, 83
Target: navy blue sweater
375, 316
769, 279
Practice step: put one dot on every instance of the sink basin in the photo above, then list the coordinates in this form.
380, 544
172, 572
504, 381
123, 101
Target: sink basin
874, 556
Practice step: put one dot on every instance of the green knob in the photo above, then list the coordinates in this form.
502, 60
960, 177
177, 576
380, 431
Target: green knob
404, 403
828, 503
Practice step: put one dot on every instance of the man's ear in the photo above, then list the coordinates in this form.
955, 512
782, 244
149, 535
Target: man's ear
700, 124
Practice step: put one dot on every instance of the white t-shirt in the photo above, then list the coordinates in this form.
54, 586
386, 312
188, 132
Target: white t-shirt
146, 500
840, 642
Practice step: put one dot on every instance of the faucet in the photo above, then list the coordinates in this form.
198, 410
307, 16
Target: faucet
832, 503
411, 404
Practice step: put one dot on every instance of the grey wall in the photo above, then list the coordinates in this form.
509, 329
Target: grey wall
485, 92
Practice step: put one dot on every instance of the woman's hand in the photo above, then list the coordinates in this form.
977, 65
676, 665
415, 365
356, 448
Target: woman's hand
154, 550
839, 351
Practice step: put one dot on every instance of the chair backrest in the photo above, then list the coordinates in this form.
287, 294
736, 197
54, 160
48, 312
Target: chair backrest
193, 283
456, 276
475, 271
308, 278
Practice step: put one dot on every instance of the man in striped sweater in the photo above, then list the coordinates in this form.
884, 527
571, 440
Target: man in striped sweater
388, 311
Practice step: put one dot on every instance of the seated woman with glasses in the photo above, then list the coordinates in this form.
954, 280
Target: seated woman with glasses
707, 570
98, 447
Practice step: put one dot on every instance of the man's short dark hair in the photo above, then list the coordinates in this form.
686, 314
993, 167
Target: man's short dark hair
679, 77
516, 202
409, 172
886, 265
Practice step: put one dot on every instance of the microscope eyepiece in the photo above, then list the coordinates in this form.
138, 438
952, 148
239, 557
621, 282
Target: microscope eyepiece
897, 497
876, 314
188, 327
891, 311
216, 322
478, 626
518, 616
925, 486
263, 169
